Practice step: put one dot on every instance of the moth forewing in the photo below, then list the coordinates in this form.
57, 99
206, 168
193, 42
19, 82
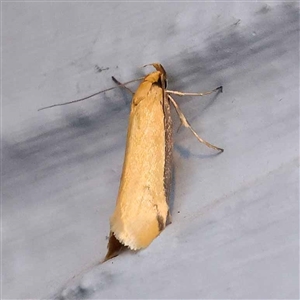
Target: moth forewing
142, 210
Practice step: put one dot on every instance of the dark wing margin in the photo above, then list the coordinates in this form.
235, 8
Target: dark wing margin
168, 147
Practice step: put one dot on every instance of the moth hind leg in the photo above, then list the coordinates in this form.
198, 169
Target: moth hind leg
185, 123
114, 247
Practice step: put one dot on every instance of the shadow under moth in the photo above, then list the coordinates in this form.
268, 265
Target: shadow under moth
142, 207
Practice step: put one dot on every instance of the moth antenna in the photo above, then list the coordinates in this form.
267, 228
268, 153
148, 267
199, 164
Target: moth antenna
90, 96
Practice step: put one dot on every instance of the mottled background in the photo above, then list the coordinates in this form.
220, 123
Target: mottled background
235, 230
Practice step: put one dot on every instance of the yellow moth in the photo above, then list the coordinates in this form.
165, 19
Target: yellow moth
142, 209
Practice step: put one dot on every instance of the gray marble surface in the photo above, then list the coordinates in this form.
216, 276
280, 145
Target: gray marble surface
235, 230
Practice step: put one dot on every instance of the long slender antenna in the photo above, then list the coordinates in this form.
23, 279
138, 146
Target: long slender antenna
90, 96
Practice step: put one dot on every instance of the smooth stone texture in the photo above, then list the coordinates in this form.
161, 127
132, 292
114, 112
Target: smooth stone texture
237, 233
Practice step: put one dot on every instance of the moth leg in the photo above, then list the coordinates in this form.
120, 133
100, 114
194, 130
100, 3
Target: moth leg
121, 84
185, 123
218, 89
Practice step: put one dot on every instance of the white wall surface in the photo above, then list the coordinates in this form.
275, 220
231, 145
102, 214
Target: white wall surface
235, 230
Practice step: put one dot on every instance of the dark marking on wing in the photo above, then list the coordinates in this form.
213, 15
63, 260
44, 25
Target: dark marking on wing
161, 222
168, 147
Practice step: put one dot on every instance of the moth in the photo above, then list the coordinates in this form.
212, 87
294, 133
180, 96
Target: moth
142, 207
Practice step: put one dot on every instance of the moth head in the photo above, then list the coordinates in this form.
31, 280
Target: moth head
160, 68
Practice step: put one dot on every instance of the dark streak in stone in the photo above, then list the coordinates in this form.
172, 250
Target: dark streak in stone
99, 70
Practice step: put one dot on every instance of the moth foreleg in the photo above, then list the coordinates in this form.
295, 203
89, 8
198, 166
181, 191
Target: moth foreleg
121, 84
218, 89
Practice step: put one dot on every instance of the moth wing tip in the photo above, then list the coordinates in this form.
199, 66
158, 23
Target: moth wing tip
114, 247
